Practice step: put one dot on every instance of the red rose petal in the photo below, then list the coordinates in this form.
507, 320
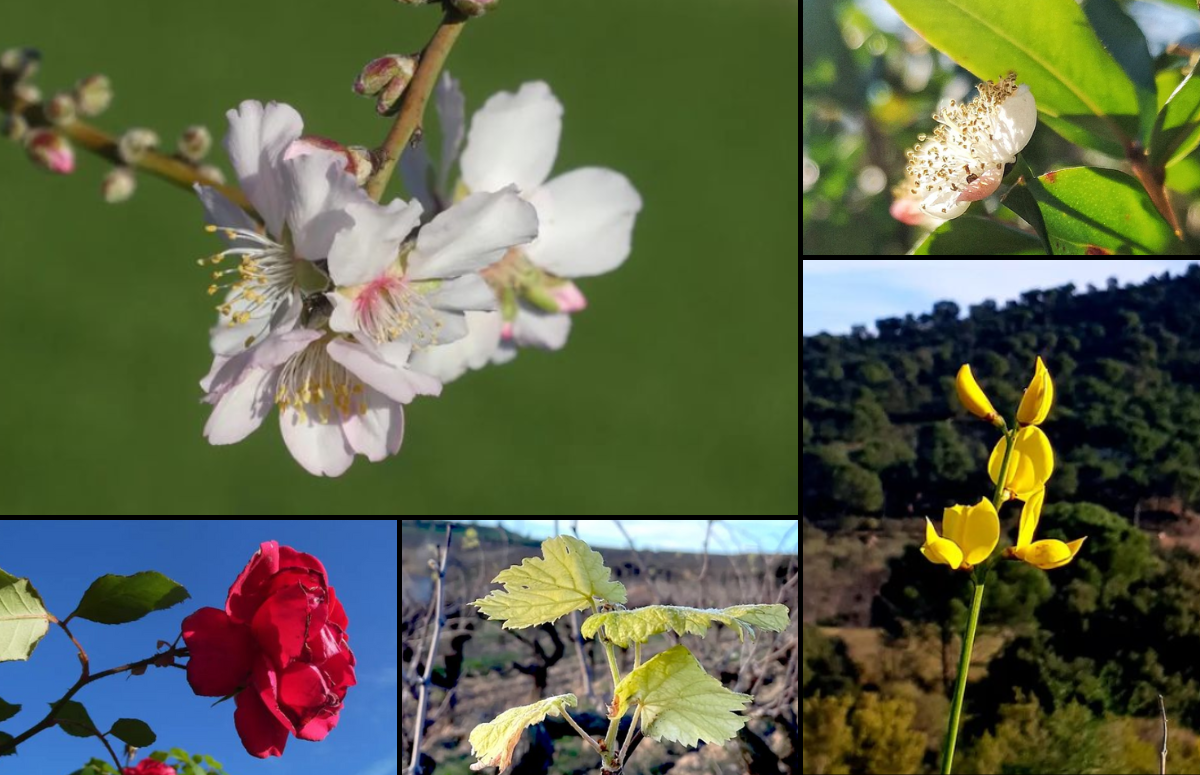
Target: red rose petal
322, 725
303, 693
261, 733
222, 652
246, 594
281, 624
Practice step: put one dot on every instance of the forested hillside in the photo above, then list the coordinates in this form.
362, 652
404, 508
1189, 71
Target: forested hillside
885, 435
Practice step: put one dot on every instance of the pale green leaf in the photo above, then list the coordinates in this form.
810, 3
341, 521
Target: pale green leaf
541, 590
681, 702
493, 743
638, 624
24, 620
1177, 128
969, 235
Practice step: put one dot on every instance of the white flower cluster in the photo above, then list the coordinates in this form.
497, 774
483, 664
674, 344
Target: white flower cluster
339, 310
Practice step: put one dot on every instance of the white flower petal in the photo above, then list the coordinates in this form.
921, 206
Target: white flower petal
513, 139
321, 448
381, 369
241, 408
416, 170
362, 251
585, 222
1016, 119
318, 191
220, 212
378, 431
451, 107
472, 235
448, 362
469, 292
258, 136
535, 328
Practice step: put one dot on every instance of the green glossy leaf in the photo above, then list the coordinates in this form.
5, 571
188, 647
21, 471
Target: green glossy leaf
160, 756
1177, 129
119, 599
8, 711
1165, 84
493, 743
540, 590
639, 624
73, 718
680, 701
24, 620
969, 235
1094, 211
1123, 40
134, 732
1081, 91
1184, 177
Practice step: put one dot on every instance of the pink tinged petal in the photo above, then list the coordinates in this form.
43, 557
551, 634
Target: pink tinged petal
320, 448
258, 136
248, 590
318, 190
241, 409
261, 732
469, 292
320, 727
983, 186
472, 235
447, 362
569, 297
222, 653
379, 431
364, 250
907, 210
513, 139
384, 368
585, 222
534, 328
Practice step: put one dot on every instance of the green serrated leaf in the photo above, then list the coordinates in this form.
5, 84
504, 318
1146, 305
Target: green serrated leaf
1080, 90
1094, 211
541, 590
680, 701
120, 599
8, 711
73, 718
134, 732
639, 624
493, 743
969, 235
24, 620
1177, 128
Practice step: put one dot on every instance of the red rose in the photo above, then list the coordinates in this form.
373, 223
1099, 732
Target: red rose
149, 767
280, 644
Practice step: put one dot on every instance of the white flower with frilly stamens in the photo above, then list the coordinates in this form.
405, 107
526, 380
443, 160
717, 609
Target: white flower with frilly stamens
964, 160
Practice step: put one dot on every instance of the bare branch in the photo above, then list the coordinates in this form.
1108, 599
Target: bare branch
439, 622
1162, 755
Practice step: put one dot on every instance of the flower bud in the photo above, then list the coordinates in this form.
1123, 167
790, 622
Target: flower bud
93, 95
360, 164
50, 151
136, 143
60, 109
474, 7
195, 143
212, 173
358, 159
26, 93
973, 397
386, 77
14, 127
20, 63
568, 297
118, 185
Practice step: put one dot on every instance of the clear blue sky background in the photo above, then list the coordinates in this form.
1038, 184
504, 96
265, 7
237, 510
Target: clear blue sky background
682, 535
62, 557
840, 293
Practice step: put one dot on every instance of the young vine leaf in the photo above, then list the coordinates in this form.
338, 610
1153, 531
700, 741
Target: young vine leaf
541, 590
680, 701
493, 742
638, 624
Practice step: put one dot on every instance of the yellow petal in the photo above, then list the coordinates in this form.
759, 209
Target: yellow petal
980, 532
1031, 463
954, 523
1031, 512
972, 396
1035, 404
940, 549
1049, 554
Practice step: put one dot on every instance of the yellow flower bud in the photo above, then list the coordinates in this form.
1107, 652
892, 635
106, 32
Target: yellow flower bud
973, 397
1035, 404
969, 534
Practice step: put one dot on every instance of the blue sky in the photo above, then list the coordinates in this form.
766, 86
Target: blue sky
839, 293
62, 557
685, 535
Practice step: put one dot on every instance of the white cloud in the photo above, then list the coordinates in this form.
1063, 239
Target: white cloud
384, 766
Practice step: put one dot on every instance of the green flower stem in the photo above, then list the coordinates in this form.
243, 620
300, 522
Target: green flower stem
964, 662
960, 688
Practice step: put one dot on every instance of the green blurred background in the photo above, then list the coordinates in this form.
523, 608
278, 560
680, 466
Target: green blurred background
676, 394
